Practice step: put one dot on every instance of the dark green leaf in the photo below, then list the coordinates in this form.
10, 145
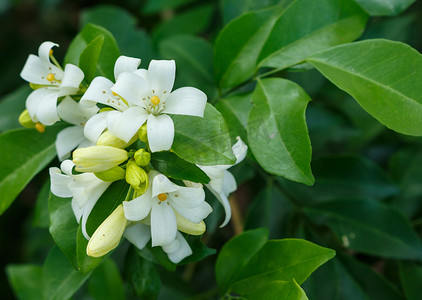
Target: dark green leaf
174, 167
23, 152
372, 72
233, 257
85, 263
277, 131
370, 227
106, 282
384, 8
209, 135
411, 278
60, 279
89, 57
276, 289
199, 250
41, 217
11, 106
155, 6
26, 281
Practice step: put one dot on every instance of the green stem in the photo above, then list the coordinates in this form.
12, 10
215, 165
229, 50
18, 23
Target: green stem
55, 62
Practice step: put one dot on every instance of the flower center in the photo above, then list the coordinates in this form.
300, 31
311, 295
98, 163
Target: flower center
50, 77
40, 127
162, 197
155, 100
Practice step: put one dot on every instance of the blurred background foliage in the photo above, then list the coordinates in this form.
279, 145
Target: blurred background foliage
354, 156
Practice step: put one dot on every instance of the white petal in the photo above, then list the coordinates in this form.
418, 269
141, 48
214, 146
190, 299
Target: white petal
67, 140
125, 64
188, 196
160, 130
131, 87
67, 166
226, 205
163, 224
70, 111
183, 250
124, 125
143, 73
161, 74
138, 208
173, 246
186, 101
35, 71
59, 183
44, 52
161, 184
216, 175
138, 234
95, 126
72, 78
194, 214
77, 211
229, 183
239, 150
42, 105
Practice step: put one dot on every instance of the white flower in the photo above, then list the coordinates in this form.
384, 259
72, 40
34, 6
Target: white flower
160, 201
85, 190
222, 182
143, 96
73, 137
41, 103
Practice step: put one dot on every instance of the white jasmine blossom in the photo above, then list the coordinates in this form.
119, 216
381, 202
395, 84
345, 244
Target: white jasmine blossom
53, 81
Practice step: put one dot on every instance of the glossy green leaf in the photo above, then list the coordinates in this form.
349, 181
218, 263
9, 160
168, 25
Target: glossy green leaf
155, 6
372, 72
142, 275
60, 280
384, 7
63, 226
233, 258
199, 250
209, 135
277, 132
106, 282
108, 55
290, 259
24, 153
411, 278
85, 263
352, 176
11, 106
235, 110
193, 57
41, 217
275, 289
25, 281
89, 57
369, 227
174, 167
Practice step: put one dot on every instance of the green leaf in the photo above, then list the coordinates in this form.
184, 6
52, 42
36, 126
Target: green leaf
155, 6
85, 263
24, 153
11, 106
290, 259
41, 217
199, 250
277, 132
372, 72
369, 227
142, 275
384, 7
89, 57
209, 135
235, 110
174, 167
411, 278
274, 289
233, 258
106, 282
193, 56
107, 57
63, 226
60, 279
26, 281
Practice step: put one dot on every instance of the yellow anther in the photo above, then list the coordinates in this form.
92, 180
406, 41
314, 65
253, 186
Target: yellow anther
50, 77
114, 94
51, 52
162, 197
40, 127
155, 100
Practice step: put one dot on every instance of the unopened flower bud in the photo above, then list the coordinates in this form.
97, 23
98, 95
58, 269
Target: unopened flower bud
136, 176
142, 133
25, 120
98, 158
142, 157
108, 234
111, 175
107, 139
189, 227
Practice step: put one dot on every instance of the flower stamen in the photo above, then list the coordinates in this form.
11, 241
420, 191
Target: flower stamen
50, 77
155, 100
40, 127
162, 197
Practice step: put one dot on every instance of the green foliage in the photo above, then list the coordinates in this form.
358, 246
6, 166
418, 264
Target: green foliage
384, 8
26, 281
11, 107
106, 282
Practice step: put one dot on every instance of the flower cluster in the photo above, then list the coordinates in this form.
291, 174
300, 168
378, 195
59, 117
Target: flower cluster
117, 126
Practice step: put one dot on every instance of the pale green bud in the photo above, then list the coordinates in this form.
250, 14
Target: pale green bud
189, 227
142, 157
136, 176
25, 120
142, 133
98, 158
107, 139
111, 175
108, 234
